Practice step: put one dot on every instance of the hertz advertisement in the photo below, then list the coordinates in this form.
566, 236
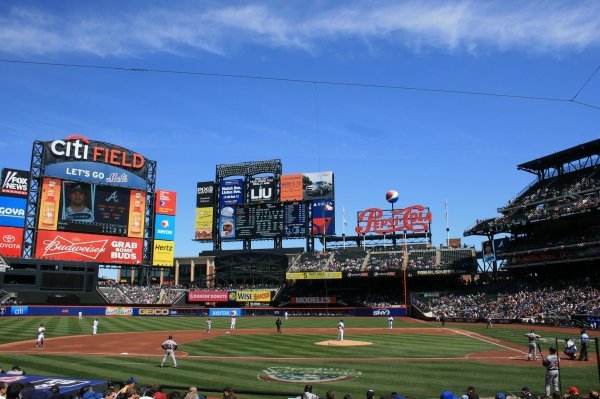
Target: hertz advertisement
164, 253
313, 275
250, 296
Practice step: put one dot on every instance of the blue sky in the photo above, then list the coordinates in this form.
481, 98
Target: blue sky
431, 147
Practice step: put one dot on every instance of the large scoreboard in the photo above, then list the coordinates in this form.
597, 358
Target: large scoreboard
246, 202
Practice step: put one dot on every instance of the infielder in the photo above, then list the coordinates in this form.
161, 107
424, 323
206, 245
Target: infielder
532, 337
40, 338
208, 325
233, 320
169, 346
551, 364
95, 327
390, 322
341, 330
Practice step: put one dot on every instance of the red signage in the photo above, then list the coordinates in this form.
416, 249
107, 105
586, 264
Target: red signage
208, 296
11, 239
415, 218
89, 248
166, 202
303, 300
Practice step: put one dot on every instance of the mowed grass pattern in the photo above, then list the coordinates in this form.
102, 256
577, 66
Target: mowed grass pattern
422, 379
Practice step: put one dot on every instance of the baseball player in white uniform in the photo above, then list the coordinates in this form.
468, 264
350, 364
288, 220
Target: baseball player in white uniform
169, 346
390, 322
233, 321
40, 338
80, 314
285, 315
208, 325
95, 327
341, 330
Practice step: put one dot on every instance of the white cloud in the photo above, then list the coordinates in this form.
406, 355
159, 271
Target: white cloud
465, 26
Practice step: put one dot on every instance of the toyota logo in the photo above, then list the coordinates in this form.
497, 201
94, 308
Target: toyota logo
8, 238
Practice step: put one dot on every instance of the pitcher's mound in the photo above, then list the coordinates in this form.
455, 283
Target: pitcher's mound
347, 342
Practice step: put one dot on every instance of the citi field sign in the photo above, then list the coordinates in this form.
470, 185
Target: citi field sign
78, 158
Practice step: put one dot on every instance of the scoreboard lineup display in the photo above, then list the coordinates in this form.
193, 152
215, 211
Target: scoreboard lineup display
271, 220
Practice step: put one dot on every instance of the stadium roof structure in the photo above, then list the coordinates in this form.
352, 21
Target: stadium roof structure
582, 152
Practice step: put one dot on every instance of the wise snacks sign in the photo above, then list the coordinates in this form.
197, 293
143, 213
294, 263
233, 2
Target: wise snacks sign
88, 248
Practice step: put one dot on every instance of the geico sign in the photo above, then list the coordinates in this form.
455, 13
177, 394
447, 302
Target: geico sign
6, 211
153, 312
78, 147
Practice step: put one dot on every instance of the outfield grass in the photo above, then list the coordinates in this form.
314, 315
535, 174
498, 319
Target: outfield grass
422, 378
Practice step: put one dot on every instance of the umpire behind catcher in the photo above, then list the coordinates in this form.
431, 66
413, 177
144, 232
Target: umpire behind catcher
169, 346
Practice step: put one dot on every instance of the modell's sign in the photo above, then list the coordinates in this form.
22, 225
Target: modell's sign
303, 300
14, 182
416, 219
88, 248
77, 158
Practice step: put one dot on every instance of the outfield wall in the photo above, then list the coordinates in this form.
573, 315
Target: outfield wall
124, 311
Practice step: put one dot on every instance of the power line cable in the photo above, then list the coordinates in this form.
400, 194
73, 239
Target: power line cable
585, 84
307, 81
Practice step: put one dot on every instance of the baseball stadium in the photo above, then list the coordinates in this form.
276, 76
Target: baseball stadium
380, 312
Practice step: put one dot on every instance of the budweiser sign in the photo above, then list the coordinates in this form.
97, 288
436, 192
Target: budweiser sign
88, 247
414, 218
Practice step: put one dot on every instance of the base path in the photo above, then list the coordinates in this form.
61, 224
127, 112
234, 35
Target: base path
147, 344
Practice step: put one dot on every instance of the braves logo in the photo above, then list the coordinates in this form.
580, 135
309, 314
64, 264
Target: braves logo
113, 197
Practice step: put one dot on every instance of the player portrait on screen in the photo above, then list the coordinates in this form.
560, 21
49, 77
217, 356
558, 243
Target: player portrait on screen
77, 204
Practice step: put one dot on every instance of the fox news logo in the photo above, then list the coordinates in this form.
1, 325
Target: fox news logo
15, 182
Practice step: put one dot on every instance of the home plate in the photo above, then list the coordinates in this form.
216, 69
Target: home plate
124, 353
334, 342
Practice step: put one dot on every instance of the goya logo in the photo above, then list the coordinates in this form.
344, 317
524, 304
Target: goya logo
308, 374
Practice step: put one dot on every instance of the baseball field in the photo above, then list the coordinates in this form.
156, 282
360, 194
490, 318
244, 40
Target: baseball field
416, 358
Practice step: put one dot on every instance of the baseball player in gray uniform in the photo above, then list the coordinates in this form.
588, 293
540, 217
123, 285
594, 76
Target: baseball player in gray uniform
208, 325
532, 337
551, 362
341, 330
169, 346
390, 322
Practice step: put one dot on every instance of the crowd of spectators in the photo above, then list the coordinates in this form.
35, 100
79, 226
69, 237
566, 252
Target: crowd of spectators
311, 262
386, 261
349, 260
153, 294
527, 302
421, 259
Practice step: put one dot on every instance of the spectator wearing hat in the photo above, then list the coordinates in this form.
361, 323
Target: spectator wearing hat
13, 390
500, 395
308, 392
471, 392
573, 392
228, 393
16, 370
447, 395
526, 393
370, 394
55, 393
129, 385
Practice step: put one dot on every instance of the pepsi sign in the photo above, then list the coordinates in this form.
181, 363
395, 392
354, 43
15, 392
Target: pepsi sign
164, 228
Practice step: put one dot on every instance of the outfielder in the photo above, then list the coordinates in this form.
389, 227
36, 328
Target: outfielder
285, 315
341, 330
208, 325
169, 346
233, 320
551, 363
80, 314
95, 327
40, 338
390, 322
532, 337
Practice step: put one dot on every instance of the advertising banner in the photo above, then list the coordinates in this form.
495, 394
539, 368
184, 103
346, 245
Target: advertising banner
49, 204
118, 311
323, 218
204, 223
93, 161
15, 183
311, 300
88, 248
205, 194
313, 275
318, 185
154, 312
11, 239
137, 211
208, 296
12, 211
231, 192
227, 222
250, 296
290, 187
414, 218
225, 312
164, 227
68, 387
166, 202
262, 189
163, 253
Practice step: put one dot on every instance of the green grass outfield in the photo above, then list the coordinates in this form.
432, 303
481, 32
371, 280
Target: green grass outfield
415, 376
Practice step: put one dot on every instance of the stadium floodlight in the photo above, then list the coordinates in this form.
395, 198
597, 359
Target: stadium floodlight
249, 168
